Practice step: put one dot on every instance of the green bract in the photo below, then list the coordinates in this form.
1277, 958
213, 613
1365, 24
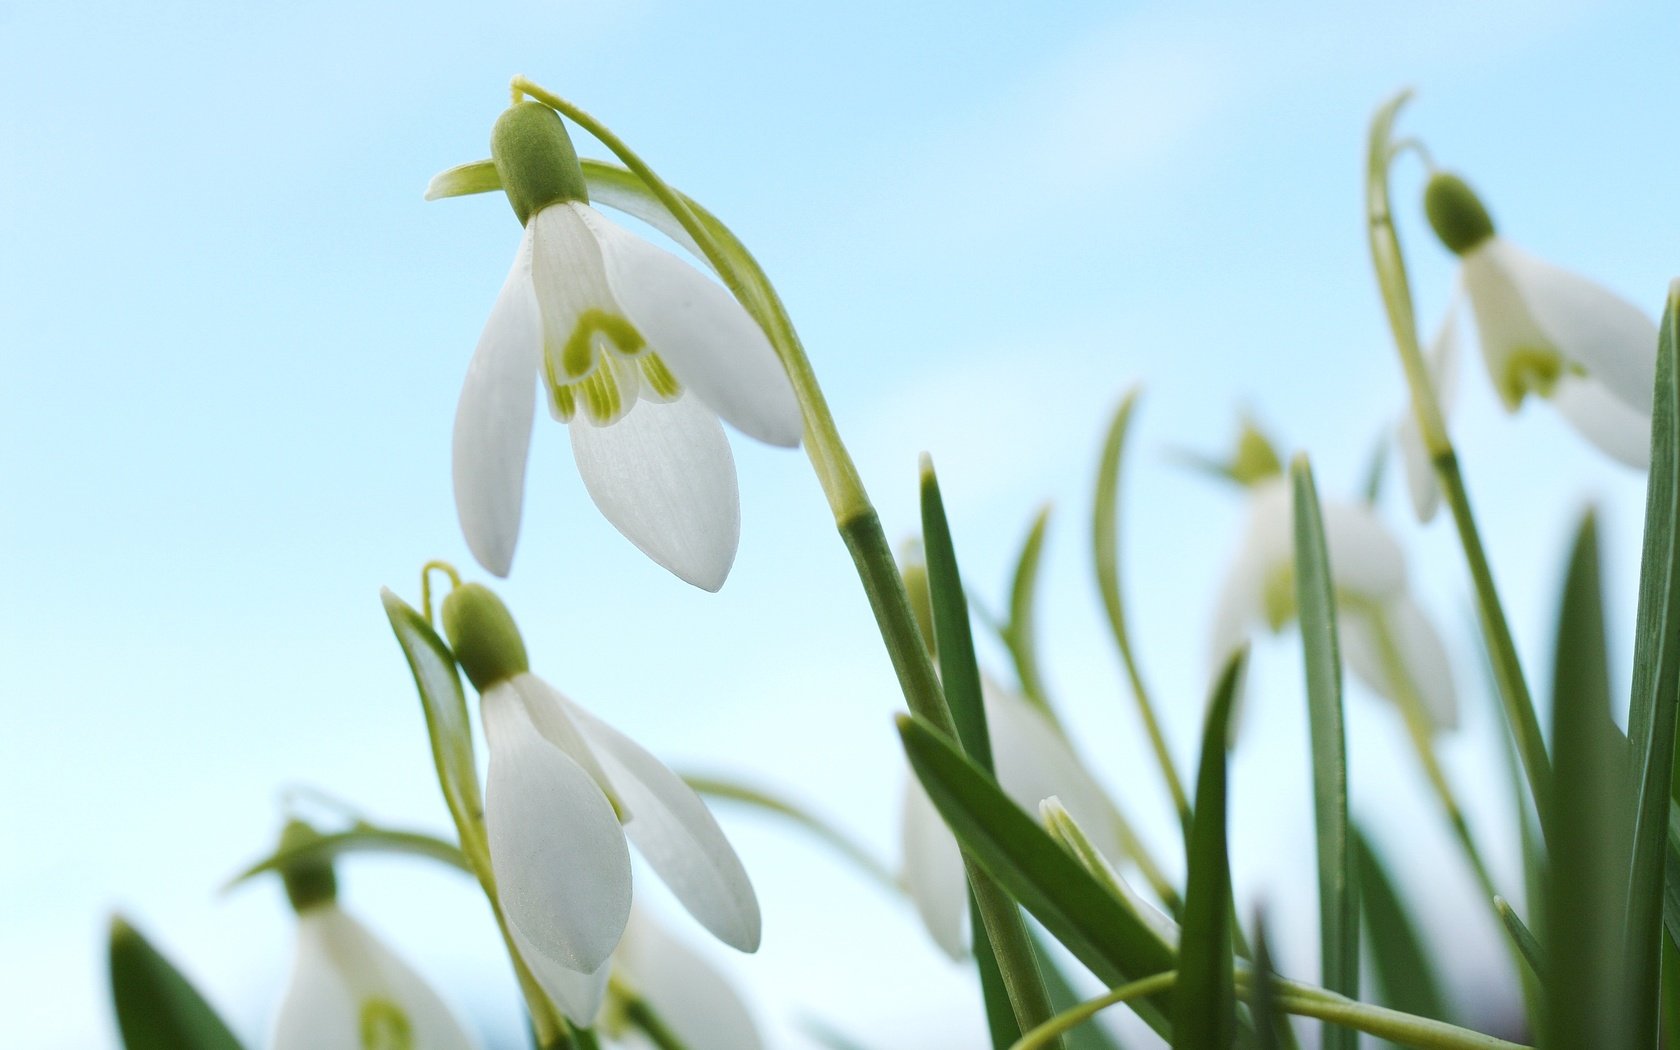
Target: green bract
1456, 213
535, 159
482, 633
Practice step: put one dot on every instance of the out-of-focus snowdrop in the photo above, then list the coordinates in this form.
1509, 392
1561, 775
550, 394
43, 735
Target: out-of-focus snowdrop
348, 991
1542, 330
683, 991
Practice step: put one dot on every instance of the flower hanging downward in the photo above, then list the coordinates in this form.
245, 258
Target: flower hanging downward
1385, 637
564, 791
1545, 331
348, 991
638, 352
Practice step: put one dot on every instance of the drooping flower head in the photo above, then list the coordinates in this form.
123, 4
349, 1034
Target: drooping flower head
348, 991
639, 354
565, 794
1543, 331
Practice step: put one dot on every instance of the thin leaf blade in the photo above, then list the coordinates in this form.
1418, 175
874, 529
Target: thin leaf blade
363, 838
1406, 977
157, 1008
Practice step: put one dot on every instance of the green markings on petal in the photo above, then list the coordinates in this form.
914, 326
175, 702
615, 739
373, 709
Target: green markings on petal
1278, 595
384, 1026
658, 378
595, 328
602, 368
1527, 370
600, 397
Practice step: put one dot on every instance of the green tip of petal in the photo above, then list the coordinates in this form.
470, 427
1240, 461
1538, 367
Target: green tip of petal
1456, 213
535, 160
482, 632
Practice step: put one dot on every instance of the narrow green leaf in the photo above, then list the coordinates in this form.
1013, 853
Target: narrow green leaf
362, 838
1586, 887
1338, 904
445, 706
1370, 489
759, 798
1528, 945
1064, 997
1262, 996
1656, 683
478, 176
1671, 875
1406, 977
156, 1007
1204, 1013
1001, 1022
1020, 633
1011, 846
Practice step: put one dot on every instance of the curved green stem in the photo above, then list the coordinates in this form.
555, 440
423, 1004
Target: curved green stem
1390, 265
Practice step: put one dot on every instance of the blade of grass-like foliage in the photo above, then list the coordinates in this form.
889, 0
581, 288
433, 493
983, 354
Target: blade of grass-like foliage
1011, 846
156, 1007
362, 838
1003, 952
445, 706
758, 798
1063, 997
1671, 923
1405, 975
1585, 886
1370, 489
1338, 903
1262, 995
1020, 633
1105, 549
1656, 682
1204, 1013
1527, 944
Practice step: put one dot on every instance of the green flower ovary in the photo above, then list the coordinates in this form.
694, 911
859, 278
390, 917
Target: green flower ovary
589, 372
385, 1026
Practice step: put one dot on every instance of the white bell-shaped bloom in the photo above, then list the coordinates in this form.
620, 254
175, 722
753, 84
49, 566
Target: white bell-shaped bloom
1542, 330
1033, 761
1385, 638
640, 354
349, 992
688, 994
564, 792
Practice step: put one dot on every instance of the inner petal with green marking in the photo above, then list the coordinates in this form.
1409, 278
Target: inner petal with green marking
1527, 370
385, 1026
602, 368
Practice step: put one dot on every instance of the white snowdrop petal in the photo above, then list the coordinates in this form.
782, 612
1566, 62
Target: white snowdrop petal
1396, 649
677, 835
1420, 475
932, 871
1611, 338
706, 338
646, 207
579, 995
319, 1010
493, 420
1443, 360
1621, 432
547, 709
686, 991
1505, 324
665, 478
561, 861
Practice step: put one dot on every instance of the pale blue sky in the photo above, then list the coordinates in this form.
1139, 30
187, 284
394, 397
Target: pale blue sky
235, 335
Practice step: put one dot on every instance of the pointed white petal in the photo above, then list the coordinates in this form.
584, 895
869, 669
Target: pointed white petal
1604, 419
1034, 762
632, 198
493, 420
548, 708
579, 995
1612, 339
932, 871
664, 476
687, 992
347, 984
1263, 551
677, 835
1365, 558
1443, 360
1396, 648
561, 862
707, 338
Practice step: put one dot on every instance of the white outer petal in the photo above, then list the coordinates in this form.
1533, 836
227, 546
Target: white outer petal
579, 995
341, 966
1620, 432
1613, 340
561, 861
493, 419
646, 207
932, 871
665, 478
709, 341
1421, 653
698, 1004
1443, 361
677, 835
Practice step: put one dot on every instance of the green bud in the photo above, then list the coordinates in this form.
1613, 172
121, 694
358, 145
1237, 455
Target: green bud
482, 633
1456, 213
1255, 459
535, 159
308, 882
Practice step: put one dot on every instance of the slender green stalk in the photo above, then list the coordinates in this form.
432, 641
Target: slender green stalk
646, 1019
1390, 265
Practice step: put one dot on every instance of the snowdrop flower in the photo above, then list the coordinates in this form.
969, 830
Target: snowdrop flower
639, 354
1385, 637
1033, 761
691, 998
564, 792
1545, 331
348, 991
